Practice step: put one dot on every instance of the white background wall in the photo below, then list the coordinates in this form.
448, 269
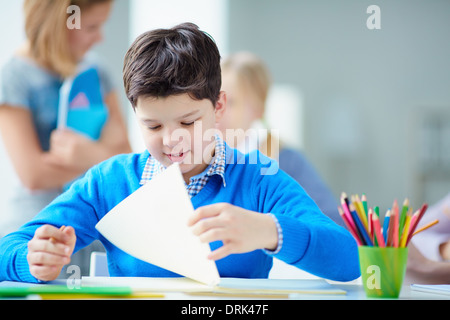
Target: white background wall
364, 91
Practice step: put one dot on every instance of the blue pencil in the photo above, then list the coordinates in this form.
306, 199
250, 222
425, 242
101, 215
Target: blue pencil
387, 217
360, 226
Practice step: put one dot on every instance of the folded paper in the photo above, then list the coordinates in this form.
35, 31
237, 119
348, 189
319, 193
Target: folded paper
151, 225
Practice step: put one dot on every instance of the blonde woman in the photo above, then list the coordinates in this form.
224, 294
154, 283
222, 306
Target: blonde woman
246, 81
45, 159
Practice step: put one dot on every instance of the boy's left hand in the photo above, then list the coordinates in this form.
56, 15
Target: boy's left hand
240, 230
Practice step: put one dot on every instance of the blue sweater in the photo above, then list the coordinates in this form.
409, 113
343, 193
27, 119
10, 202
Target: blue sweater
311, 240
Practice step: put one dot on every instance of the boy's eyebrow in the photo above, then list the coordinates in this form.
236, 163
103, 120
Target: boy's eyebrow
188, 114
177, 119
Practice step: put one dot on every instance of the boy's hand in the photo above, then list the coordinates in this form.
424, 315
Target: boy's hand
240, 230
49, 251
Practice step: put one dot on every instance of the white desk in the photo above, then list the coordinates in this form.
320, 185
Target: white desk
353, 292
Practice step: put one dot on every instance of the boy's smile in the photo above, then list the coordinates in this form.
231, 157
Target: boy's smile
179, 157
177, 129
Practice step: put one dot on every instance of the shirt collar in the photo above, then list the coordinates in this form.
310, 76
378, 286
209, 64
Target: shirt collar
216, 167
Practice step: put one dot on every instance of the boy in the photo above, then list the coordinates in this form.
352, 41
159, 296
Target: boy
172, 78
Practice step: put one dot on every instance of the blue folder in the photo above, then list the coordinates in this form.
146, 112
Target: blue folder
81, 106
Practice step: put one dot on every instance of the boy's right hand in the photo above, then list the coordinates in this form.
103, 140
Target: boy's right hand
49, 251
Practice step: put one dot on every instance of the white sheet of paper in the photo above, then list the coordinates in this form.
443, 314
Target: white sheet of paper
151, 225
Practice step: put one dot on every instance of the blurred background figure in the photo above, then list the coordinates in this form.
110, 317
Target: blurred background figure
429, 254
247, 81
45, 159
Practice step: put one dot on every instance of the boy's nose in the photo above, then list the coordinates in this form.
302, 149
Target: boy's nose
170, 140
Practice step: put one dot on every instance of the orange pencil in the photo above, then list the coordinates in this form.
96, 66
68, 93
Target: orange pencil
377, 230
425, 227
53, 240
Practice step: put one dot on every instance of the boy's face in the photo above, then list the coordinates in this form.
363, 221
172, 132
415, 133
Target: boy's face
180, 129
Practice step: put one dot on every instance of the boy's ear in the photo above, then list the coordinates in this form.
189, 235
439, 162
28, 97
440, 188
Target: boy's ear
221, 106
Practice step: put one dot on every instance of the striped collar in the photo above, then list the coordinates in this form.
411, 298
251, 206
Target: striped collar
217, 167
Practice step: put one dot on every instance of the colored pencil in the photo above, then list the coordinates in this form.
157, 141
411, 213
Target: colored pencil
377, 231
53, 240
391, 227
425, 227
396, 225
354, 217
364, 202
360, 225
364, 224
360, 211
376, 209
386, 221
405, 231
404, 211
350, 228
344, 204
416, 221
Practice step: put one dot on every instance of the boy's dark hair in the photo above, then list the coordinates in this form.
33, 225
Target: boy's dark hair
166, 62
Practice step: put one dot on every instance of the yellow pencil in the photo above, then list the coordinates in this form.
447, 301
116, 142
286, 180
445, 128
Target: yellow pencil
406, 229
360, 211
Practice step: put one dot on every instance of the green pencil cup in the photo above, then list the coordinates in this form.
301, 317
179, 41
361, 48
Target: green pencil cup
382, 270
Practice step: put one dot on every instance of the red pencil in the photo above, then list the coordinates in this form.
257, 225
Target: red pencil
396, 225
370, 223
416, 222
349, 227
347, 214
377, 230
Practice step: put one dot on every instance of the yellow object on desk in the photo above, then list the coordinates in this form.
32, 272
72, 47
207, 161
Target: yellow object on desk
60, 292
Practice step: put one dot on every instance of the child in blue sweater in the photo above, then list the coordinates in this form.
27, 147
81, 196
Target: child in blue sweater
246, 209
